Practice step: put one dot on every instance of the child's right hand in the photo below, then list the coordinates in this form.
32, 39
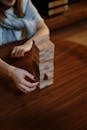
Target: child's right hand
18, 76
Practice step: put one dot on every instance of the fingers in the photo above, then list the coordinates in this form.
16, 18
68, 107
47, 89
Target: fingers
17, 52
29, 75
26, 86
30, 85
25, 89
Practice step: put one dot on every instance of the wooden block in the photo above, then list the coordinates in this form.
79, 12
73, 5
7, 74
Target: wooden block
43, 62
46, 76
47, 45
46, 83
42, 39
47, 65
42, 59
43, 52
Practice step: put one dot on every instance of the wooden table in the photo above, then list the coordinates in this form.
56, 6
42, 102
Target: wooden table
62, 106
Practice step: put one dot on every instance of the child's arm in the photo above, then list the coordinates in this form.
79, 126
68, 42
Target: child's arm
42, 30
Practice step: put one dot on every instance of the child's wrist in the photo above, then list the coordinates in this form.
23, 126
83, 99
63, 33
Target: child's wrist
28, 42
28, 45
10, 70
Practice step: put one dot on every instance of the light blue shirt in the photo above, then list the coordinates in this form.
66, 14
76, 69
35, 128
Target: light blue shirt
10, 28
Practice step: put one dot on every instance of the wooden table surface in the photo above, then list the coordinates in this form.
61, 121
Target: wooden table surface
61, 106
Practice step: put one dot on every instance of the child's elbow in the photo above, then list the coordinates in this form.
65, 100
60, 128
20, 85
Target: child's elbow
42, 26
46, 30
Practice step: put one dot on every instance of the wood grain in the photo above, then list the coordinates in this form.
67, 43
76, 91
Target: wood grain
62, 106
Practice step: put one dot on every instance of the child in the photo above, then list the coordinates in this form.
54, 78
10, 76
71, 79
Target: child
18, 20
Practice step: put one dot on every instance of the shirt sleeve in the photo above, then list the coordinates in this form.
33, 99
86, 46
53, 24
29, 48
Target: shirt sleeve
31, 13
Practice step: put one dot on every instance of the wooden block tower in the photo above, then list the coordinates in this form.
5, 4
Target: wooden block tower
43, 62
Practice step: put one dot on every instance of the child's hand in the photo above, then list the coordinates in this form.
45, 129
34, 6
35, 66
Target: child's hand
19, 51
18, 76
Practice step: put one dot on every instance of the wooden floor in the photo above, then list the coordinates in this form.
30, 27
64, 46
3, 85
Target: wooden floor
61, 106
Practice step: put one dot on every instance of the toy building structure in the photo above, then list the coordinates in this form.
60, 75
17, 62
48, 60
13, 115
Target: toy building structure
42, 59
43, 62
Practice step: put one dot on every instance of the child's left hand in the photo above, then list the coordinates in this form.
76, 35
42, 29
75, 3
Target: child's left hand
19, 51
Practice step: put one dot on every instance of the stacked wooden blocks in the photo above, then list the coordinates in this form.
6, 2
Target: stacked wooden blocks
43, 62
